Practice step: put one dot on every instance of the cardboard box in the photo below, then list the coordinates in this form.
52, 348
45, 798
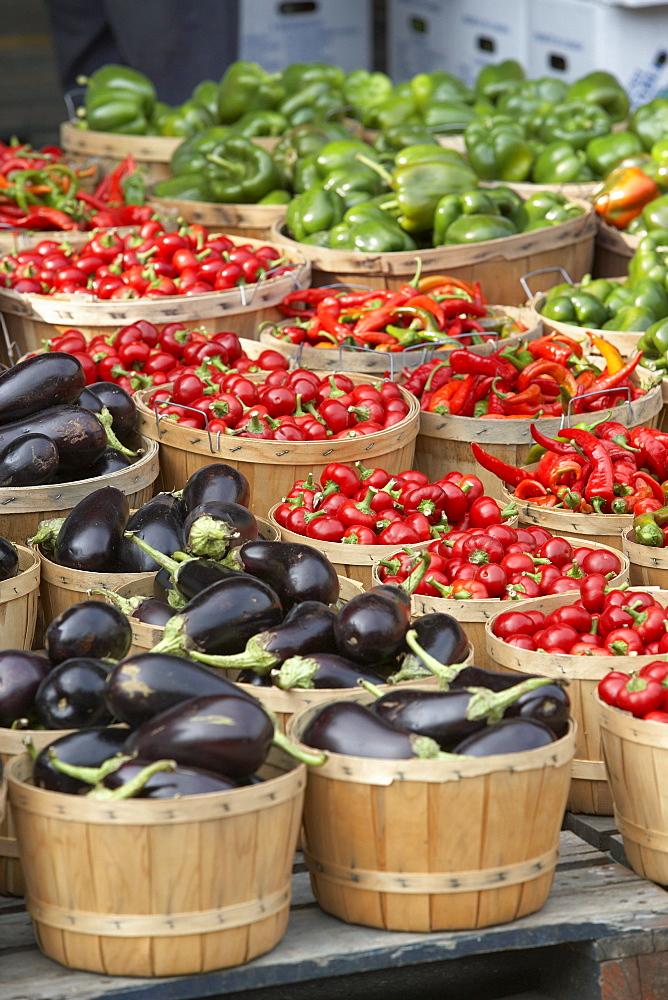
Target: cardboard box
460, 36
275, 33
570, 38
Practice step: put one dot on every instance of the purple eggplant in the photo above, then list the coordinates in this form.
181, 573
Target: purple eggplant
174, 783
190, 575
9, 559
507, 736
91, 535
71, 696
222, 618
82, 748
89, 628
158, 523
77, 434
307, 628
227, 734
323, 670
21, 673
219, 482
295, 571
213, 527
149, 610
350, 728
370, 628
550, 705
253, 679
439, 635
143, 686
111, 460
29, 460
37, 383
118, 402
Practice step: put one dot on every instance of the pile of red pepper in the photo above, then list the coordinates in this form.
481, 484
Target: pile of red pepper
537, 379
39, 191
498, 561
147, 263
644, 694
447, 313
141, 355
603, 468
288, 406
604, 621
369, 507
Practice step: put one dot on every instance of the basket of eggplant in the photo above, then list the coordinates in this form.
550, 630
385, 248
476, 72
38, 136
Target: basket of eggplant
60, 438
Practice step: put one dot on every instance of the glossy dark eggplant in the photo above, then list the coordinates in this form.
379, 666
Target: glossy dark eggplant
295, 571
9, 559
170, 784
222, 618
37, 383
111, 460
190, 575
441, 636
71, 696
225, 733
213, 527
371, 627
142, 686
89, 628
347, 727
323, 670
254, 679
119, 403
149, 610
91, 536
219, 482
479, 677
162, 585
30, 460
550, 705
21, 673
77, 434
307, 628
159, 523
506, 736
82, 748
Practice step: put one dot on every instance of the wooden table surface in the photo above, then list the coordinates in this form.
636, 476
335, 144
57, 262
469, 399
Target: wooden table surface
602, 935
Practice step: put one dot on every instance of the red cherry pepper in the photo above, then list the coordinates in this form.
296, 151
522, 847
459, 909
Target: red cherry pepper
640, 695
624, 642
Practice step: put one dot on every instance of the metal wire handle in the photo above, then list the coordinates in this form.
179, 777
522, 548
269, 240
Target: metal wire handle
71, 107
11, 346
565, 417
191, 409
542, 270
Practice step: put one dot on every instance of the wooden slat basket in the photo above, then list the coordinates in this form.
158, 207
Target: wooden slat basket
445, 439
22, 509
29, 319
383, 851
272, 467
18, 602
474, 615
234, 219
625, 341
648, 565
636, 759
497, 264
590, 792
159, 887
612, 251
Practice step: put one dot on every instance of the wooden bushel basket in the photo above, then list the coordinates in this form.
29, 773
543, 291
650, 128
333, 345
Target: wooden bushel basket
648, 565
626, 341
474, 615
18, 602
159, 887
254, 221
426, 845
590, 792
272, 467
497, 264
445, 440
613, 250
636, 758
22, 509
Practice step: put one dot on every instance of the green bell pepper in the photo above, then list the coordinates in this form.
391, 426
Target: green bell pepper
185, 187
495, 79
539, 204
239, 171
452, 206
498, 150
300, 142
114, 111
650, 122
206, 95
604, 89
521, 103
585, 310
245, 86
342, 153
478, 228
605, 151
364, 90
439, 86
654, 341
575, 123
649, 260
187, 120
189, 157
448, 116
313, 211
309, 103
354, 183
279, 196
372, 236
299, 75
650, 295
509, 203
395, 110
633, 319
391, 140
560, 163
306, 174
110, 78
655, 213
260, 123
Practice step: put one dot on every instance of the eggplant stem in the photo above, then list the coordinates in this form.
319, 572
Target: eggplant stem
91, 775
491, 705
134, 786
371, 688
253, 657
210, 538
295, 672
306, 757
171, 565
174, 638
445, 672
128, 605
47, 533
106, 419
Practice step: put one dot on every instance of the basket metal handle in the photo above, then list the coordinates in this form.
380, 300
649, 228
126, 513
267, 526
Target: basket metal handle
565, 418
10, 345
524, 280
71, 103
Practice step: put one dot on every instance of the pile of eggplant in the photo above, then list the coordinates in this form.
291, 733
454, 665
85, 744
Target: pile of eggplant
480, 714
56, 429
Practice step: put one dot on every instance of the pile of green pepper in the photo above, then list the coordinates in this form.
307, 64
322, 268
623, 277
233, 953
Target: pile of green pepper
635, 306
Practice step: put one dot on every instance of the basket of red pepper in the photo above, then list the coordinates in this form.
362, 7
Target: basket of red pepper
358, 516
632, 717
282, 428
570, 641
494, 401
467, 573
378, 330
643, 543
151, 273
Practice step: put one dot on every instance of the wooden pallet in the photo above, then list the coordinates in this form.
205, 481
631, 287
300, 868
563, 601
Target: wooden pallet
602, 935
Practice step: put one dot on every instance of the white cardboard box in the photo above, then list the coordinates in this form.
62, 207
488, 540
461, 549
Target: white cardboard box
460, 36
275, 33
569, 38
